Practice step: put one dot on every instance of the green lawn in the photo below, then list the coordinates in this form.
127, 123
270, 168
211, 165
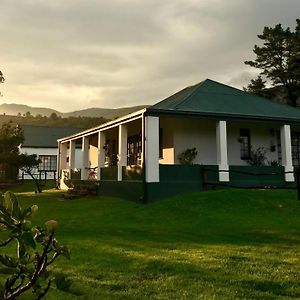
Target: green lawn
226, 244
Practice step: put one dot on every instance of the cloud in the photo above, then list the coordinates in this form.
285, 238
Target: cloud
75, 54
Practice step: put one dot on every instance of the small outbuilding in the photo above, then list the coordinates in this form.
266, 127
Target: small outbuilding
42, 141
229, 137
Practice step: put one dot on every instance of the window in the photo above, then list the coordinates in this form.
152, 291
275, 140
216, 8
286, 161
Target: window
48, 162
279, 146
245, 143
134, 149
296, 148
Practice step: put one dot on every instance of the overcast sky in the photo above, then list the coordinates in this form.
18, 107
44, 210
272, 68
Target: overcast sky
75, 54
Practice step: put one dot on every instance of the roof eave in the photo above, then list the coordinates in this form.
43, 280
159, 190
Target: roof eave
218, 116
103, 126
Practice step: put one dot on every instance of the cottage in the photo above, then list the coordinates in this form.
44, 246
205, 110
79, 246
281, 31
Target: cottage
42, 141
139, 154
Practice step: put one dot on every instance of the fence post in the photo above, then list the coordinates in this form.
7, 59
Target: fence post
297, 171
203, 177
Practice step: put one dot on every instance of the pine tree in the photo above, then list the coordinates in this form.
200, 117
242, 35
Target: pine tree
279, 58
258, 87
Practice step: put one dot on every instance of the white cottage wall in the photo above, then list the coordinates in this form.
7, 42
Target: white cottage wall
261, 135
188, 133
93, 151
199, 134
167, 130
49, 151
180, 134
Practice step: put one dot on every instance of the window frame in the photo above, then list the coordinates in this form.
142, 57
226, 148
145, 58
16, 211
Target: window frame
50, 165
245, 144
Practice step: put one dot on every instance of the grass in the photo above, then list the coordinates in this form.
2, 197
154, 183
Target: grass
226, 244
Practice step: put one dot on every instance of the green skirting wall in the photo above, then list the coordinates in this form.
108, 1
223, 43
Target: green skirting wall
183, 179
134, 173
131, 187
248, 177
109, 173
175, 180
130, 190
257, 176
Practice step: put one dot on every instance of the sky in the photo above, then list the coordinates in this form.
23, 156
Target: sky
76, 54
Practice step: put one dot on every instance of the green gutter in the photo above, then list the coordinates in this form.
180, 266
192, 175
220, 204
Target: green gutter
218, 116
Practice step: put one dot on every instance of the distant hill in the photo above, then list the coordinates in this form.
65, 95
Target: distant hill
107, 113
14, 109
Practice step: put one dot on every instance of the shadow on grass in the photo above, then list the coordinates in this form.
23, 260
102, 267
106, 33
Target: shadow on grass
165, 238
158, 277
270, 289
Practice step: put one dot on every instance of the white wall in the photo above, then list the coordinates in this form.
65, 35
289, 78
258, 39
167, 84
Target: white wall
261, 135
93, 151
199, 134
184, 133
49, 151
168, 140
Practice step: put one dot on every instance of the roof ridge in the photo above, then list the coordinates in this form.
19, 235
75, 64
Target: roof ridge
228, 86
245, 93
192, 93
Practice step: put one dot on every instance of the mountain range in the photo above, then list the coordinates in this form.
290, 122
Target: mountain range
107, 113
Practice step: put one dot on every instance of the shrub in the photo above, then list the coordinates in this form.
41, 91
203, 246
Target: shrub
37, 248
187, 157
274, 163
257, 156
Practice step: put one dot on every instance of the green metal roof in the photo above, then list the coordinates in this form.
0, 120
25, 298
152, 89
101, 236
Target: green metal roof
44, 136
212, 99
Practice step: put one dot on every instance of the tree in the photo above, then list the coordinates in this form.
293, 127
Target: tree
54, 116
28, 115
257, 86
2, 79
36, 249
279, 58
11, 136
28, 163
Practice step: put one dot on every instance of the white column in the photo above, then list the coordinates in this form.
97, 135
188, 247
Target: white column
101, 153
71, 154
286, 150
151, 156
62, 165
63, 148
85, 158
143, 138
221, 135
122, 150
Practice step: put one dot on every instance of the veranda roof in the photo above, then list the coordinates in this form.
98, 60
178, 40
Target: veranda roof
212, 99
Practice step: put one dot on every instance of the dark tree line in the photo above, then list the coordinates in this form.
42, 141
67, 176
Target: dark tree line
53, 120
